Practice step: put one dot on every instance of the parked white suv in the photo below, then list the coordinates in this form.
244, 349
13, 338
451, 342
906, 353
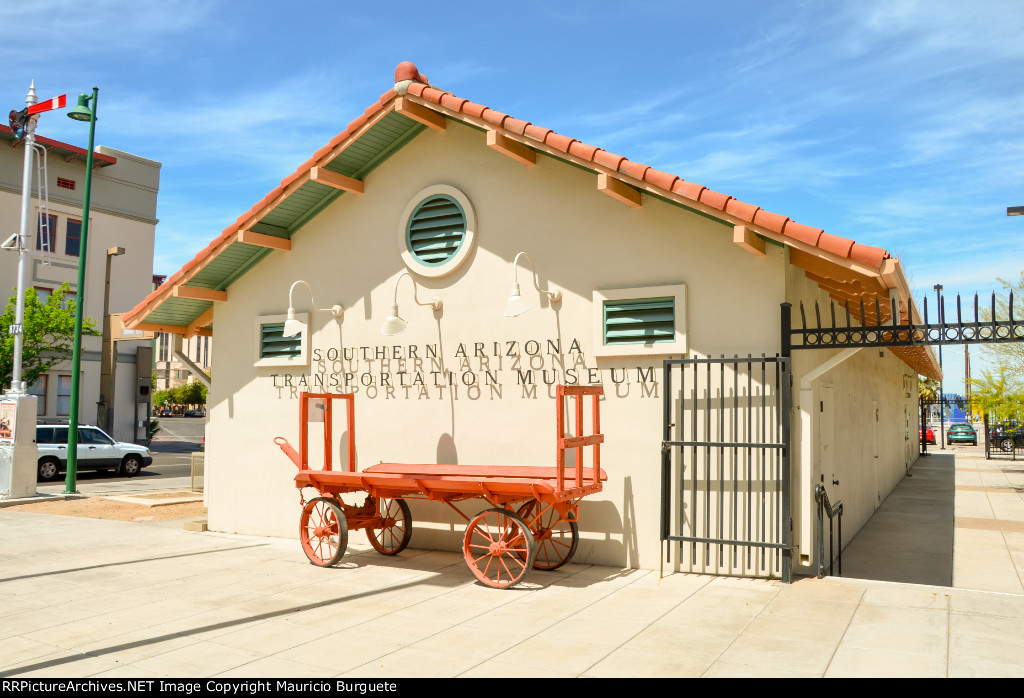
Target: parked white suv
96, 451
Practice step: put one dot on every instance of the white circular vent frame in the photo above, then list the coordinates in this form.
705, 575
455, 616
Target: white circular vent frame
468, 239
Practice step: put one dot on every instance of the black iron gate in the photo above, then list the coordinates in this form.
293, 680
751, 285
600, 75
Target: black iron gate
726, 493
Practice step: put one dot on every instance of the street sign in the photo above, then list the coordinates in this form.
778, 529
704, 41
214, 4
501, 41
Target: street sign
15, 328
119, 332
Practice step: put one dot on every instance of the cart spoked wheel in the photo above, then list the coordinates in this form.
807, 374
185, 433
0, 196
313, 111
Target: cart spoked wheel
498, 547
392, 537
323, 531
555, 538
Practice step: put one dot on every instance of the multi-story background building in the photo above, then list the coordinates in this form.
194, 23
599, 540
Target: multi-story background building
171, 373
122, 214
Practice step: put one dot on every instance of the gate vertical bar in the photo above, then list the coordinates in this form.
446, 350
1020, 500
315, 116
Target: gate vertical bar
721, 461
786, 390
666, 451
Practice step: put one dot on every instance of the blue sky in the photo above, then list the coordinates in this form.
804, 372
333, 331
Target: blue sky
897, 124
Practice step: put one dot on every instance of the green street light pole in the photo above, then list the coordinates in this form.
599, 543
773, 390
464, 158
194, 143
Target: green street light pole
80, 113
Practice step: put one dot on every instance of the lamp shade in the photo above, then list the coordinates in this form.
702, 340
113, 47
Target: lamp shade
516, 304
292, 326
82, 112
393, 324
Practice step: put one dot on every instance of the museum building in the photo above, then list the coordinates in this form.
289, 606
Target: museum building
408, 230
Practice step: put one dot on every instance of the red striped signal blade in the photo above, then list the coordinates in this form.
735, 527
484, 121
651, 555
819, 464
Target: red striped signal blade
55, 103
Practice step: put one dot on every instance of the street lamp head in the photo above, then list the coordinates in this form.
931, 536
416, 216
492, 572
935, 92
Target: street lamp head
82, 112
115, 251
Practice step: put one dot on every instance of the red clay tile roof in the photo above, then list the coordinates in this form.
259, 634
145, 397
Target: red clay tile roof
409, 79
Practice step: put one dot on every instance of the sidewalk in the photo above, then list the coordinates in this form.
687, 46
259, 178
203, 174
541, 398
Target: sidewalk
94, 598
957, 521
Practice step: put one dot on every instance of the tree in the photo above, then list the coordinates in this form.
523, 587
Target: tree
995, 396
49, 334
191, 394
927, 388
161, 398
1010, 356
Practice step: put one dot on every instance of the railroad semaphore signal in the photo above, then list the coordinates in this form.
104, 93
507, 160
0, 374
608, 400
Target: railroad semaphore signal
18, 120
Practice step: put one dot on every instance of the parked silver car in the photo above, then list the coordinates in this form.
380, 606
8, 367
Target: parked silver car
96, 451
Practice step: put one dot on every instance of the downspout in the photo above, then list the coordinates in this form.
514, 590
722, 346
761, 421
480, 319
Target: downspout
179, 356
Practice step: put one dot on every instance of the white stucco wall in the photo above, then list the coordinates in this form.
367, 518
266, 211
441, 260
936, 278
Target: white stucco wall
864, 423
580, 239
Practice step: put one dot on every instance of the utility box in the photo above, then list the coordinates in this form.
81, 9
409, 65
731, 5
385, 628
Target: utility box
144, 397
19, 454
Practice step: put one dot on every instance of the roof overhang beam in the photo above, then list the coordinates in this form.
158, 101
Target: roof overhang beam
618, 190
417, 112
333, 179
199, 294
748, 240
249, 237
513, 149
170, 329
199, 323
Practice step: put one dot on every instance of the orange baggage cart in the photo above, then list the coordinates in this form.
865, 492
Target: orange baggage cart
532, 522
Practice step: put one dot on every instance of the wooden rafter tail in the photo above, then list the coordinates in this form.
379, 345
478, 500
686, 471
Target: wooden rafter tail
250, 237
510, 148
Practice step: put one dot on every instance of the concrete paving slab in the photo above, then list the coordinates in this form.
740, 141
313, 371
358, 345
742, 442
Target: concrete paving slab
858, 662
630, 662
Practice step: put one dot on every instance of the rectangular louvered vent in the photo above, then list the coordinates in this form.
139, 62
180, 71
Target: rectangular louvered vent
273, 343
639, 321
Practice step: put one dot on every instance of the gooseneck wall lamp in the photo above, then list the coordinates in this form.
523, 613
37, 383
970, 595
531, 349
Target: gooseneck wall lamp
292, 326
394, 324
516, 304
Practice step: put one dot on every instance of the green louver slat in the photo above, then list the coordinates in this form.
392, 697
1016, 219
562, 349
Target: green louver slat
641, 321
274, 344
436, 230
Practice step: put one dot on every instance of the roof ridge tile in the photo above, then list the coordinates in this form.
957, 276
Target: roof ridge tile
714, 199
632, 169
607, 159
537, 133
558, 141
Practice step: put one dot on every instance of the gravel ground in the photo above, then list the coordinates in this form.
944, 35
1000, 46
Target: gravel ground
102, 508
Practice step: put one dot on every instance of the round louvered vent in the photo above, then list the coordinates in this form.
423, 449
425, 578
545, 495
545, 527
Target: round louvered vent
436, 230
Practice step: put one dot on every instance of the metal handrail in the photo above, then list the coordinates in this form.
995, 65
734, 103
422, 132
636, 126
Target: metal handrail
835, 511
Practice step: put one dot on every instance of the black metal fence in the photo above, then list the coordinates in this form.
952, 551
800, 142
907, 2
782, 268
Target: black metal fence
725, 465
1003, 439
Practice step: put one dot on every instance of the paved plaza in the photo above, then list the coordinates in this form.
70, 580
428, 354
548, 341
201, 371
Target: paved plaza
942, 597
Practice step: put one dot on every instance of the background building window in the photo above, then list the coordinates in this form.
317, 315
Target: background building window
65, 183
39, 390
63, 396
46, 233
43, 293
72, 241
